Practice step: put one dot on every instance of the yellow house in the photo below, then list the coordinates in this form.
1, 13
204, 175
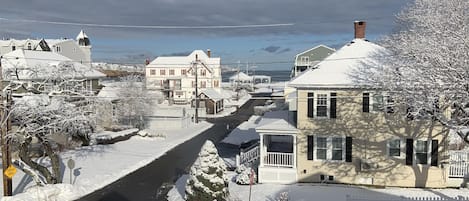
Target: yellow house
355, 135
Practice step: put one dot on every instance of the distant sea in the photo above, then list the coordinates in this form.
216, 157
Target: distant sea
276, 75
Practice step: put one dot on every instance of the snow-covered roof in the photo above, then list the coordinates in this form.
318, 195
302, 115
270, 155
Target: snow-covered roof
33, 65
240, 76
213, 94
277, 121
81, 35
314, 48
335, 70
185, 61
52, 42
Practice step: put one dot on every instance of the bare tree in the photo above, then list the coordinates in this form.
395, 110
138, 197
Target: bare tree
426, 64
54, 102
38, 117
134, 101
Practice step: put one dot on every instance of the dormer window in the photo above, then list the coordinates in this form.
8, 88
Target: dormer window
13, 48
29, 46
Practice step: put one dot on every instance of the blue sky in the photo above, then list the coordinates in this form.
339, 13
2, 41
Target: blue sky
312, 22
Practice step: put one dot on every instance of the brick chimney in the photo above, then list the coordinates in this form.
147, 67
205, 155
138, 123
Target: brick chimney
209, 53
360, 27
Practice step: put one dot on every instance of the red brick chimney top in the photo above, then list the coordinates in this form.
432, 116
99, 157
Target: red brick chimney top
360, 27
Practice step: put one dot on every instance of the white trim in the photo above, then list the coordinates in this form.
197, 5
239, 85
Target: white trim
328, 148
401, 146
429, 151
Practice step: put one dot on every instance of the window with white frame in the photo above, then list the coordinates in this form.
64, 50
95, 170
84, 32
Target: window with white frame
382, 102
321, 105
330, 148
152, 72
321, 148
394, 148
421, 152
337, 148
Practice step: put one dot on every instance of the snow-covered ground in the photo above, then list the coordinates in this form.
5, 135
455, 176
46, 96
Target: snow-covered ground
92, 165
245, 132
320, 192
276, 88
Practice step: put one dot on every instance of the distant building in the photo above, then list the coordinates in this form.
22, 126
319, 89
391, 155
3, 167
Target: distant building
46, 72
78, 50
175, 76
310, 58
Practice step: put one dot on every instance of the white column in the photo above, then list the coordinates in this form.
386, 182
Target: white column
261, 147
294, 151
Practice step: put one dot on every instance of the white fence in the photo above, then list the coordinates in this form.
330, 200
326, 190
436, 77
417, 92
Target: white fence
279, 159
396, 198
459, 164
248, 156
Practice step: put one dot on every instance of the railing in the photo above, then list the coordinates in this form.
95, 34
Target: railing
248, 155
278, 159
459, 164
402, 198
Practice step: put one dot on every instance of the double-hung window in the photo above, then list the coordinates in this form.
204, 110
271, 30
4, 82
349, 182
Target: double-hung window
321, 105
337, 148
321, 148
394, 148
330, 148
421, 152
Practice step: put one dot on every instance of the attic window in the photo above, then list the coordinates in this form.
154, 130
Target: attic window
29, 46
13, 48
360, 23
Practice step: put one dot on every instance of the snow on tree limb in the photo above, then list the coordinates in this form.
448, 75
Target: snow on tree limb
428, 63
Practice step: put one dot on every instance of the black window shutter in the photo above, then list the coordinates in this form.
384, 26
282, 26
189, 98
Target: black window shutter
333, 105
366, 102
409, 151
310, 147
434, 153
348, 149
310, 104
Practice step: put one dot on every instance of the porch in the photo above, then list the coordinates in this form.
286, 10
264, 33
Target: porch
278, 158
458, 170
277, 139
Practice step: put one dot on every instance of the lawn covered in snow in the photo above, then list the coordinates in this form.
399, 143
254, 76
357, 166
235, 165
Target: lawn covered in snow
99, 165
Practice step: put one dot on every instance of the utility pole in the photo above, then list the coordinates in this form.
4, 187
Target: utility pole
196, 63
5, 99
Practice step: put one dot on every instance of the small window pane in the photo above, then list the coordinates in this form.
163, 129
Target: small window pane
321, 154
337, 155
322, 142
337, 143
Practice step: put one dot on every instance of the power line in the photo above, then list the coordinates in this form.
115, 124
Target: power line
149, 26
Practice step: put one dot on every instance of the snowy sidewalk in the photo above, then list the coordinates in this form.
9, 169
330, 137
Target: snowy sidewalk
99, 165
319, 192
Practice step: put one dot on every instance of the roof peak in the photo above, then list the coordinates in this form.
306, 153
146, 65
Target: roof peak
81, 35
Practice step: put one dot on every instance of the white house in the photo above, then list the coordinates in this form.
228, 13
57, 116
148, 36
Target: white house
176, 76
48, 71
78, 50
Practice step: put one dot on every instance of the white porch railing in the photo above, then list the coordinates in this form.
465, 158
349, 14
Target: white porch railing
459, 164
278, 159
248, 156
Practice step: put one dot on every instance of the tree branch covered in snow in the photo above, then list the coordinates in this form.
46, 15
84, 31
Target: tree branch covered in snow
134, 101
427, 63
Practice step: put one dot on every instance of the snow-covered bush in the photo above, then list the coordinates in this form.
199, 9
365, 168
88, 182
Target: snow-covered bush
241, 168
283, 196
207, 180
244, 175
